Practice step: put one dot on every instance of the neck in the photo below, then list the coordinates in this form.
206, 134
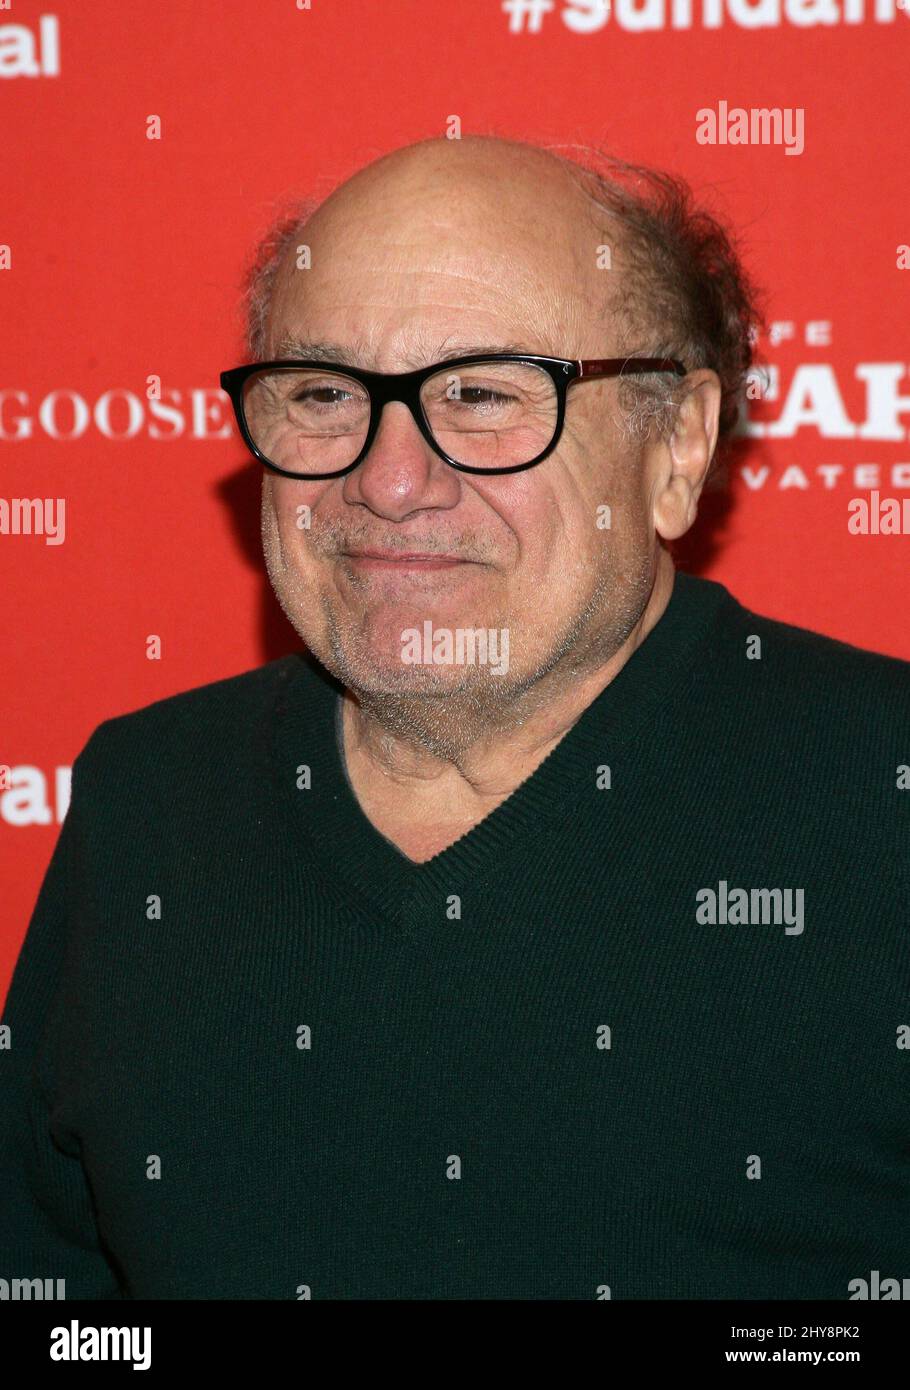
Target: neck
489, 760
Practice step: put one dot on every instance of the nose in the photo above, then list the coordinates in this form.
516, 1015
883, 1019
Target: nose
401, 473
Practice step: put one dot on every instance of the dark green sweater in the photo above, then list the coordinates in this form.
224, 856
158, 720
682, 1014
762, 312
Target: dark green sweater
579, 1083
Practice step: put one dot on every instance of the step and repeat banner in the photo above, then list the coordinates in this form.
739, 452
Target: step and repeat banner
147, 147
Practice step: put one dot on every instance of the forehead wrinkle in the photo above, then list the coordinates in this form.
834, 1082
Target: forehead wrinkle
477, 269
552, 319
319, 351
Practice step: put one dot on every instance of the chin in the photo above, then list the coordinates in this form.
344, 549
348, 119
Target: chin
395, 680
413, 654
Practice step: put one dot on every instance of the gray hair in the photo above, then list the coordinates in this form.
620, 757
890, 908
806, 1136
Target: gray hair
260, 277
683, 292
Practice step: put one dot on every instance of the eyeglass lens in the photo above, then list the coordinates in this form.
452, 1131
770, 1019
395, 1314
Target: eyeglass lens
485, 415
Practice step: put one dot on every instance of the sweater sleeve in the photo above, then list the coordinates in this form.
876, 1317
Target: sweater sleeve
47, 1224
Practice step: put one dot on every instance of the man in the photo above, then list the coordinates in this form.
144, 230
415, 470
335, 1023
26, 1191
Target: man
544, 936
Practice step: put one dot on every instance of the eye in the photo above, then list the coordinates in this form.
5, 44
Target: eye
323, 395
483, 395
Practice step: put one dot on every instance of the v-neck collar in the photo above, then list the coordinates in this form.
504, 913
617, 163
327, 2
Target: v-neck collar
360, 865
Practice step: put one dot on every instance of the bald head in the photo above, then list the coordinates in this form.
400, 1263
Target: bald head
444, 230
482, 166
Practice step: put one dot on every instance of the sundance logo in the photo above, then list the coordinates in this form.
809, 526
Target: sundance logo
645, 16
75, 1343
28, 797
23, 53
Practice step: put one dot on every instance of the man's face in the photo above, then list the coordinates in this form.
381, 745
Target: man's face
406, 268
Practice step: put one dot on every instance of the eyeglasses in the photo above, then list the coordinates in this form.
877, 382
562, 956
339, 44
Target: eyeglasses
481, 413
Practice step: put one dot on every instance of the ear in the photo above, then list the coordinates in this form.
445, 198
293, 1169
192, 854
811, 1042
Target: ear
684, 459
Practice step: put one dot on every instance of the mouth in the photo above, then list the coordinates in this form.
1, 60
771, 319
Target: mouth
398, 560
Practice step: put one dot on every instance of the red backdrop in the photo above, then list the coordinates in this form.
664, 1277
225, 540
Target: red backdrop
125, 253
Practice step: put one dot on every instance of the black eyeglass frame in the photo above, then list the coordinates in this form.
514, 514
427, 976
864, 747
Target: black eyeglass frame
383, 387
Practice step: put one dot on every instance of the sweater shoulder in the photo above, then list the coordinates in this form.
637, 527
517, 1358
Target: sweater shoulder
813, 730
205, 721
824, 675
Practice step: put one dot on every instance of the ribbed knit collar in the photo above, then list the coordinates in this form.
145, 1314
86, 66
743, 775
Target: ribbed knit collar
360, 866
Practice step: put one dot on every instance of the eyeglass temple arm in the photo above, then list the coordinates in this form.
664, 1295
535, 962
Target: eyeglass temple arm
621, 366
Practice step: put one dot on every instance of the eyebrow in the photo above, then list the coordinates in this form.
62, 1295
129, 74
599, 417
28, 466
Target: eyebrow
308, 349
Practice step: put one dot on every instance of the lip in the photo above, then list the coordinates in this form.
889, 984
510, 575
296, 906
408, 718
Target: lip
385, 559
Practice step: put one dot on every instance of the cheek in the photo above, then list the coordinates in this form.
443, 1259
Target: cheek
610, 507
558, 533
289, 517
